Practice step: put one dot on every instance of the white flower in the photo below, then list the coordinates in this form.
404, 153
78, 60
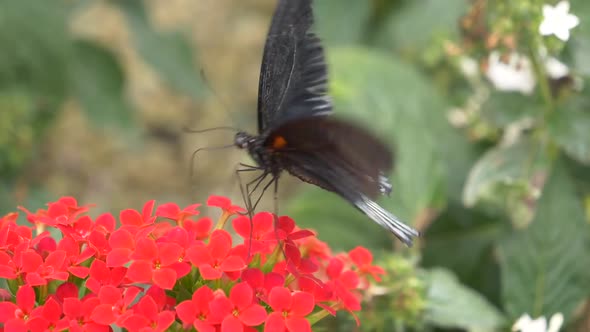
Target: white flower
558, 21
516, 75
526, 324
555, 68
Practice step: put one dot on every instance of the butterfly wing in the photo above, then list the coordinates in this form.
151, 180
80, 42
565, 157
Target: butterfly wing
293, 75
342, 158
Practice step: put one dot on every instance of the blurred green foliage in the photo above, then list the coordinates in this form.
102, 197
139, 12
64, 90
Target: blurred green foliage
502, 195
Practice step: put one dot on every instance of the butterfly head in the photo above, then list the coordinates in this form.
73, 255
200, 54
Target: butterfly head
244, 140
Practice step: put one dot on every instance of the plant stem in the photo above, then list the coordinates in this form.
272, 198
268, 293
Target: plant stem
542, 78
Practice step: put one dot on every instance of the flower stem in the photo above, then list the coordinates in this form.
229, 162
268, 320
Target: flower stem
316, 317
542, 78
222, 220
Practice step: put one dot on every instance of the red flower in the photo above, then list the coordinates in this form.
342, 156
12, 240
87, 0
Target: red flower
343, 283
122, 245
225, 204
216, 257
49, 318
196, 311
239, 310
15, 316
290, 310
172, 211
78, 313
256, 232
362, 258
152, 263
261, 283
114, 305
147, 317
100, 275
39, 271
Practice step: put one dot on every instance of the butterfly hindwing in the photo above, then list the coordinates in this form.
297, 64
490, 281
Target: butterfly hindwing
293, 76
308, 147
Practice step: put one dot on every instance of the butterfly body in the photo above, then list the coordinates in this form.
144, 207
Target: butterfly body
297, 132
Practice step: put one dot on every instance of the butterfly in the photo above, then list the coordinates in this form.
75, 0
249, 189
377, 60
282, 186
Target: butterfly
297, 132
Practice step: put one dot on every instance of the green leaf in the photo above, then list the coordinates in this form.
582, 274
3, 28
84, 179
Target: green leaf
403, 108
35, 49
504, 108
337, 223
169, 53
98, 82
570, 128
580, 41
341, 21
463, 240
453, 305
414, 25
514, 166
546, 268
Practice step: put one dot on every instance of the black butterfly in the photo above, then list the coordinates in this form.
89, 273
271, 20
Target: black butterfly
296, 131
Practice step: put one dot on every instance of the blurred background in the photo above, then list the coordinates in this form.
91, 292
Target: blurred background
486, 104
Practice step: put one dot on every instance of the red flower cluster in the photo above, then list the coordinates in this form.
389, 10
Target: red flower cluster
169, 270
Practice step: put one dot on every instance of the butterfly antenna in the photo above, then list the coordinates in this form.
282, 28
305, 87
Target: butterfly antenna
209, 148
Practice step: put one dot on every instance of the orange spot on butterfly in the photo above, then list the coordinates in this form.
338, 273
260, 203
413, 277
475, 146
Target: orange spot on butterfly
279, 142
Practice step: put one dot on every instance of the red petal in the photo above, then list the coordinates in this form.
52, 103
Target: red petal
52, 310
201, 326
106, 221
147, 210
242, 226
298, 324
131, 217
335, 267
241, 295
164, 320
121, 238
31, 261
103, 314
232, 263
254, 277
99, 270
280, 299
109, 295
209, 273
79, 271
168, 210
118, 257
147, 307
169, 253
66, 290
186, 311
220, 244
286, 224
7, 311
218, 201
254, 315
72, 307
201, 299
34, 279
140, 271
360, 256
136, 322
231, 324
146, 249
274, 323
199, 255
220, 307
349, 279
303, 304
164, 278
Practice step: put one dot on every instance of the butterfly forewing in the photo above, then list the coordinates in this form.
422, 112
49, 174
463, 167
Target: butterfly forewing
293, 75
